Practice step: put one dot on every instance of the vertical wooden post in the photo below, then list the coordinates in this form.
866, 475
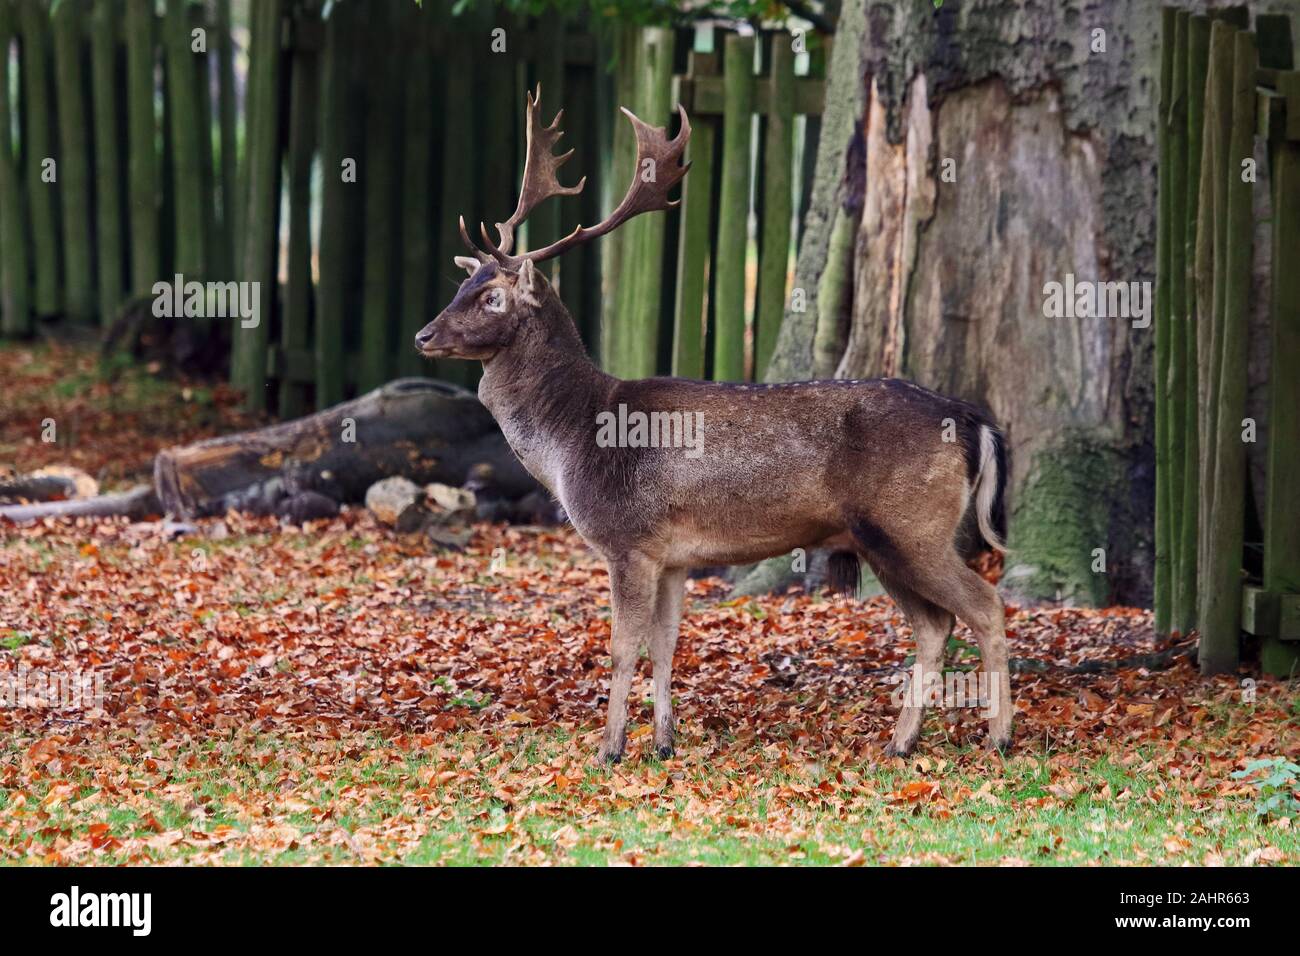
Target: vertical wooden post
142, 152
201, 78
38, 146
109, 234
15, 295
1164, 522
1217, 128
304, 119
1282, 502
340, 201
223, 257
1186, 529
184, 120
629, 90
733, 214
379, 177
261, 218
642, 317
818, 55
1221, 625
417, 251
619, 280
1174, 384
459, 147
694, 247
67, 20
778, 189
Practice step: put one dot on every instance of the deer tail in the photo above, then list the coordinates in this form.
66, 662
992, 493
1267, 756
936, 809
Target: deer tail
991, 487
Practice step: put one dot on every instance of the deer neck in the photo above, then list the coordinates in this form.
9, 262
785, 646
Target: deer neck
544, 392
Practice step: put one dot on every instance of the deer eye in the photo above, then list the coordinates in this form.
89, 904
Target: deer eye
494, 300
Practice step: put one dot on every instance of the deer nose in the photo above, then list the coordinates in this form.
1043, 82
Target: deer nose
423, 337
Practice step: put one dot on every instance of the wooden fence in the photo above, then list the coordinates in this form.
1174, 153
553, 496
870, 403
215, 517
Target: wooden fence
430, 108
1222, 86
364, 131
116, 179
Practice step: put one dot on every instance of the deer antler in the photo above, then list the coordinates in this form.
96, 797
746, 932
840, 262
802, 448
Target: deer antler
658, 169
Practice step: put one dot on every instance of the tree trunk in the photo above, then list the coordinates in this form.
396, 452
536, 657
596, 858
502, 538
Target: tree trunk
975, 153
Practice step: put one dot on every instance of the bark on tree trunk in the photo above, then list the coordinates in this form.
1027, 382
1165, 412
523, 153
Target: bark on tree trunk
995, 148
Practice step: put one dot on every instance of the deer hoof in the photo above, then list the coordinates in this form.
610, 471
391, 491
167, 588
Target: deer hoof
895, 749
611, 752
665, 752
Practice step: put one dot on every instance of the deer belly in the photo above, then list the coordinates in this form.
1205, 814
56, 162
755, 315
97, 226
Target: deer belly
694, 544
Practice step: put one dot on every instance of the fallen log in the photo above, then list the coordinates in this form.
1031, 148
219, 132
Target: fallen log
421, 429
35, 488
137, 504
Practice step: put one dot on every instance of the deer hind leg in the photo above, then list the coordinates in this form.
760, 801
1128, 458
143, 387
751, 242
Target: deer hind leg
633, 588
955, 587
663, 641
931, 626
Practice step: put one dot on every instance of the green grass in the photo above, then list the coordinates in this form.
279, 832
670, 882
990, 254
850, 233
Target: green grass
704, 812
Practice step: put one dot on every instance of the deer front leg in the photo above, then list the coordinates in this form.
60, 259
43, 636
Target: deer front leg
663, 641
633, 591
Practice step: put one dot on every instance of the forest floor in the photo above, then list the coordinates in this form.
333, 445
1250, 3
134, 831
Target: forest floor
339, 694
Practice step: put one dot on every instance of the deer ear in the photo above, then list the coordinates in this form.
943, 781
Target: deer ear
468, 263
528, 283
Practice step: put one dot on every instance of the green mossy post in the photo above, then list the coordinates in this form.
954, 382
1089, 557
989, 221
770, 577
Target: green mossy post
1217, 130
733, 213
15, 295
207, 143
695, 246
142, 152
1174, 383
642, 316
67, 24
109, 233
223, 255
778, 204
1282, 501
380, 177
1185, 528
620, 274
1221, 625
417, 254
261, 218
37, 146
1163, 590
184, 118
340, 140
304, 119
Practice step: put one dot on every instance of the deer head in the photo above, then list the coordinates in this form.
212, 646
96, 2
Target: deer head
505, 290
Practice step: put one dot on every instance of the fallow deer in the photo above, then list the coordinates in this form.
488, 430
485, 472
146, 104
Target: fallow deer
879, 470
